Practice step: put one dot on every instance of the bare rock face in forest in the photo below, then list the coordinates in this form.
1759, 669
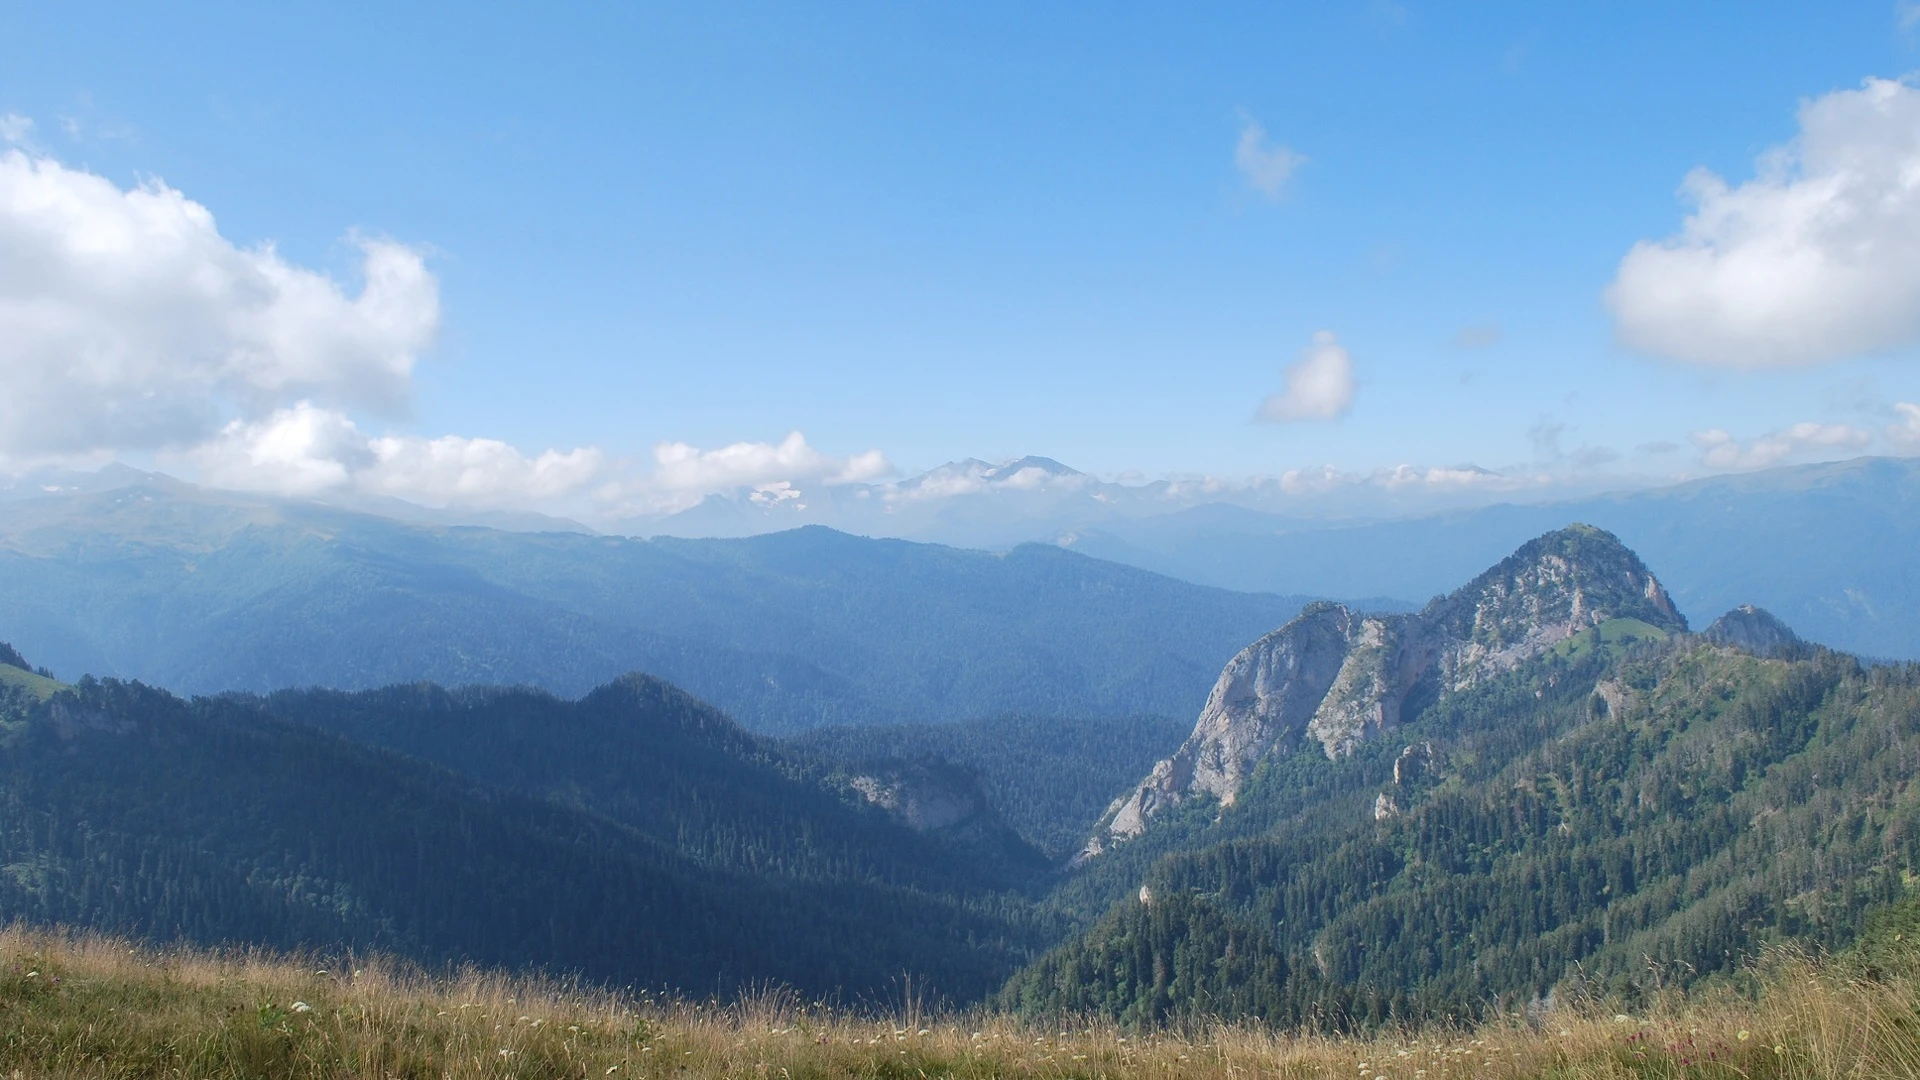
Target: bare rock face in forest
1340, 677
1754, 630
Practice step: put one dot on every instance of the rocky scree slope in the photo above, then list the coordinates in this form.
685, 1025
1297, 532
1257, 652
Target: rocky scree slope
1339, 676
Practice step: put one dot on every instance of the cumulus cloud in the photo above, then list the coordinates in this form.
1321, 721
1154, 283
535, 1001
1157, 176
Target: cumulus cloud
15, 128
128, 322
1719, 450
1319, 384
1265, 165
1814, 259
310, 451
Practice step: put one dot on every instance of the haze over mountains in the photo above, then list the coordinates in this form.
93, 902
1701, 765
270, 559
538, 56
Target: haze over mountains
1823, 546
204, 591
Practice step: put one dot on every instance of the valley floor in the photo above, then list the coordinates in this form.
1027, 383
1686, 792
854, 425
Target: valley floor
97, 1007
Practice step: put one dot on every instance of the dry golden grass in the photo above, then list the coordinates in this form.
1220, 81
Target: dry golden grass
94, 1007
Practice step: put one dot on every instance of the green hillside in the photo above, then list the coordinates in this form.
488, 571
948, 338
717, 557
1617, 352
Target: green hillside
39, 687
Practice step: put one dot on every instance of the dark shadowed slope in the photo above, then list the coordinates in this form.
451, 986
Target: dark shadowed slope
127, 809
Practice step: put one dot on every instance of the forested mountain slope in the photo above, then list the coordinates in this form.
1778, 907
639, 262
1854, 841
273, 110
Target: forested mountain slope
1619, 811
649, 756
204, 591
126, 809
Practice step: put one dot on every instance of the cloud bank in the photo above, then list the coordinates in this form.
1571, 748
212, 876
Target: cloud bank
1814, 259
1719, 450
1319, 384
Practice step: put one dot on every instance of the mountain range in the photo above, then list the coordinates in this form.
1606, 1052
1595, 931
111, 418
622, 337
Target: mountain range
1539, 783
140, 576
1820, 545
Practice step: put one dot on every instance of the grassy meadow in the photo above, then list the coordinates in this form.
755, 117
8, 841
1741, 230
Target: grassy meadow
96, 1007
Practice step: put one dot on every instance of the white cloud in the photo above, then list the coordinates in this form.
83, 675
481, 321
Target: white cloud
1455, 478
1719, 450
451, 469
680, 467
1906, 433
308, 451
1814, 259
1265, 165
1319, 384
127, 322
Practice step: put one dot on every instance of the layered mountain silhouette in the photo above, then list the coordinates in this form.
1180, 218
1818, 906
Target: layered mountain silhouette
203, 591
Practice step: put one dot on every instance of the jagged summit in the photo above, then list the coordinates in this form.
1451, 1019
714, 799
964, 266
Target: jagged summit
1754, 630
1339, 676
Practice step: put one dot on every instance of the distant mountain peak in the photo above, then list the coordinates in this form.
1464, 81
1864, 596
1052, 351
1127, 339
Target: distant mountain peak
1045, 465
1340, 677
1754, 630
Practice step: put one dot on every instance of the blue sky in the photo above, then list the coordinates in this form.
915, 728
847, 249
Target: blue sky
985, 230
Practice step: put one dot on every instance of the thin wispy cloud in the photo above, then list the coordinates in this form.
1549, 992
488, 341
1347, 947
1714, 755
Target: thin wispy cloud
1904, 434
1265, 165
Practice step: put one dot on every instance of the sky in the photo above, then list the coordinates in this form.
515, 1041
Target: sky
613, 258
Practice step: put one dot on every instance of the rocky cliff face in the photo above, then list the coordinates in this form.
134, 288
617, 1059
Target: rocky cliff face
1339, 677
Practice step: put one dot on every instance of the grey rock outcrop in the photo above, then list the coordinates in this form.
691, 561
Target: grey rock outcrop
924, 796
1340, 677
1754, 630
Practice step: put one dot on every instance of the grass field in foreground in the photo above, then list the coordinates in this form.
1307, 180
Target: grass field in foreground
96, 1007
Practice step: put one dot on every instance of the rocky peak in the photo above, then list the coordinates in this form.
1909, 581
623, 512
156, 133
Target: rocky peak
1340, 677
1754, 630
1553, 587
